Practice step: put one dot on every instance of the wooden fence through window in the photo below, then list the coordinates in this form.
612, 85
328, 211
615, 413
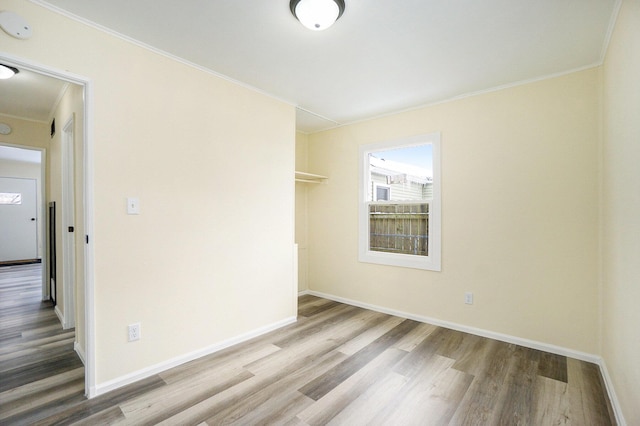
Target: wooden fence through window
399, 228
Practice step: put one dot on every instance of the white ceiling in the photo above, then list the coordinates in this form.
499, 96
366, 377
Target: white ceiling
381, 57
30, 95
19, 154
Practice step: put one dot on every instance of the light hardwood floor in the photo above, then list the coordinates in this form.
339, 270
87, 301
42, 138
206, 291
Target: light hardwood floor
338, 365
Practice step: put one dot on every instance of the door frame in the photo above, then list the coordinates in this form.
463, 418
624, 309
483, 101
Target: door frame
42, 223
89, 355
68, 221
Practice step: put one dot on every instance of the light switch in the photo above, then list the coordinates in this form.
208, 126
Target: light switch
133, 205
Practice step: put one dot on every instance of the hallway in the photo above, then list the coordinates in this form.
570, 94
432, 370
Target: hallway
38, 365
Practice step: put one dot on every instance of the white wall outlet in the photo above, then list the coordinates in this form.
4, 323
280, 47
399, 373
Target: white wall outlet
468, 298
133, 205
134, 332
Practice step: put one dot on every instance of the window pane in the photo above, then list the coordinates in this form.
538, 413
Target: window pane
382, 193
399, 228
407, 172
10, 198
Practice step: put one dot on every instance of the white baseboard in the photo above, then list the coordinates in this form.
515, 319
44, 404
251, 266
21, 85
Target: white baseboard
303, 292
80, 352
608, 383
59, 315
583, 356
127, 379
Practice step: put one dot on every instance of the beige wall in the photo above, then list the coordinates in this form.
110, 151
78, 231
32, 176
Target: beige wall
71, 106
621, 210
302, 141
211, 255
519, 213
25, 132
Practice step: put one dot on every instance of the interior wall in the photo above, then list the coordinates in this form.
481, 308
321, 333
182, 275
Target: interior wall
70, 106
519, 213
302, 141
23, 169
621, 210
210, 256
29, 133
54, 194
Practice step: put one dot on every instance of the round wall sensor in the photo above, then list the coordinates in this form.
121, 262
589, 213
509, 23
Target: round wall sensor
5, 129
15, 25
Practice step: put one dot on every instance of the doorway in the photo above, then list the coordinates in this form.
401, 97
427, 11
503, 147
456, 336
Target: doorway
18, 220
74, 172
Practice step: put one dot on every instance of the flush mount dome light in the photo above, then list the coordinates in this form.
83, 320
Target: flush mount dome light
317, 15
7, 72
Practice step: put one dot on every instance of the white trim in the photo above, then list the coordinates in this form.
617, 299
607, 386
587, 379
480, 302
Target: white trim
42, 213
59, 314
68, 219
63, 91
80, 352
295, 279
89, 278
612, 26
464, 96
322, 117
583, 356
155, 50
90, 358
432, 262
174, 362
608, 383
43, 224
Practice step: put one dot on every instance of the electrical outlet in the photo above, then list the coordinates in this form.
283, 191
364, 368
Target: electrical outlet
134, 332
468, 298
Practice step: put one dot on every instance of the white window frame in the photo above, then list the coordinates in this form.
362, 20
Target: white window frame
432, 262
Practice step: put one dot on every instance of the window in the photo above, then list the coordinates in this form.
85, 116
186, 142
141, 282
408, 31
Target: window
10, 198
382, 192
399, 212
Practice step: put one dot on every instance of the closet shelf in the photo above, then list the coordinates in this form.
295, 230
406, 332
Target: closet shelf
310, 177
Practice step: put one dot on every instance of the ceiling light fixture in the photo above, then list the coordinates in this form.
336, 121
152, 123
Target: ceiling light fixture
317, 15
7, 72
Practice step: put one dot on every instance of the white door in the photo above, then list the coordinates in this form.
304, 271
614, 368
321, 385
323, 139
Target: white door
18, 219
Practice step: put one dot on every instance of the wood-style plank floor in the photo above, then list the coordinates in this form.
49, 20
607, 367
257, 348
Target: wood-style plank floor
338, 365
39, 370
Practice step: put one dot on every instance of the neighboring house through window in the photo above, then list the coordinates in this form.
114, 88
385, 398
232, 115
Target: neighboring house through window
399, 211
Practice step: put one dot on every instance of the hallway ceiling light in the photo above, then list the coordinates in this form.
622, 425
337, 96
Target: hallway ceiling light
7, 72
317, 15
